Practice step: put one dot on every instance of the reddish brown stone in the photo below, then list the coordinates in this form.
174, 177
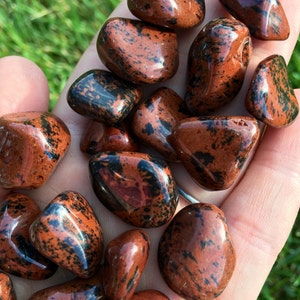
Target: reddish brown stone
31, 145
124, 261
214, 149
17, 254
7, 291
266, 20
169, 13
217, 63
138, 52
136, 187
99, 137
154, 120
195, 254
149, 295
68, 233
270, 97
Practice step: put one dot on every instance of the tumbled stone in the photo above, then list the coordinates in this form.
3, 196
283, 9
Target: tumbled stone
149, 295
124, 261
7, 291
78, 288
217, 62
100, 95
270, 97
136, 187
195, 254
169, 13
214, 149
266, 20
68, 233
155, 118
99, 137
17, 254
31, 145
137, 51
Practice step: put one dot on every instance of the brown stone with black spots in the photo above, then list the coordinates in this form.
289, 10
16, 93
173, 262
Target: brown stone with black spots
270, 97
214, 149
124, 261
7, 291
170, 13
31, 146
100, 95
136, 187
17, 254
78, 288
99, 137
217, 62
196, 256
155, 118
137, 51
68, 233
266, 20
149, 295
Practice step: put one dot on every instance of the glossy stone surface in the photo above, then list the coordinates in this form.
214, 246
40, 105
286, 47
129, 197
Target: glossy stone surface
217, 62
124, 261
214, 149
195, 254
31, 145
149, 295
169, 13
100, 95
155, 118
136, 187
138, 52
266, 20
78, 288
17, 254
7, 291
68, 233
270, 97
99, 137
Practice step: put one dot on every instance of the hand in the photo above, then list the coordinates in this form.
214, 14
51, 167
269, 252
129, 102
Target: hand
260, 210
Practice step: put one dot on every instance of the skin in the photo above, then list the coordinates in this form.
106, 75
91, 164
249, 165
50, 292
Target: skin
260, 209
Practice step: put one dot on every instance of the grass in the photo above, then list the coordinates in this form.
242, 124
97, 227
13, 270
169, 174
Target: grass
54, 34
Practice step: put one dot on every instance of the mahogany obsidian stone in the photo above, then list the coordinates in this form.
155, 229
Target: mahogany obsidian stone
136, 187
149, 295
195, 254
7, 291
100, 95
137, 51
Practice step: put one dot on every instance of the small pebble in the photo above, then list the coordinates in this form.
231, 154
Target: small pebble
195, 254
137, 51
266, 20
68, 233
7, 291
270, 97
17, 254
149, 295
136, 187
217, 62
155, 118
124, 261
214, 149
100, 95
170, 13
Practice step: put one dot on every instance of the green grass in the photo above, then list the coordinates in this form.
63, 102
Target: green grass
54, 34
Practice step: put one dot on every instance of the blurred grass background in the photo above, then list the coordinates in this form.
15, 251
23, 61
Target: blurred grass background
55, 33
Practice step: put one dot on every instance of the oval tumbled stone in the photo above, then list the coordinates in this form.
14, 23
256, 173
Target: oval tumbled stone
18, 256
68, 233
138, 52
100, 95
136, 187
217, 63
169, 13
7, 291
149, 295
195, 254
124, 261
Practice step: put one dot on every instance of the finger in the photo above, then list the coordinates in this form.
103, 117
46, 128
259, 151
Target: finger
262, 209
